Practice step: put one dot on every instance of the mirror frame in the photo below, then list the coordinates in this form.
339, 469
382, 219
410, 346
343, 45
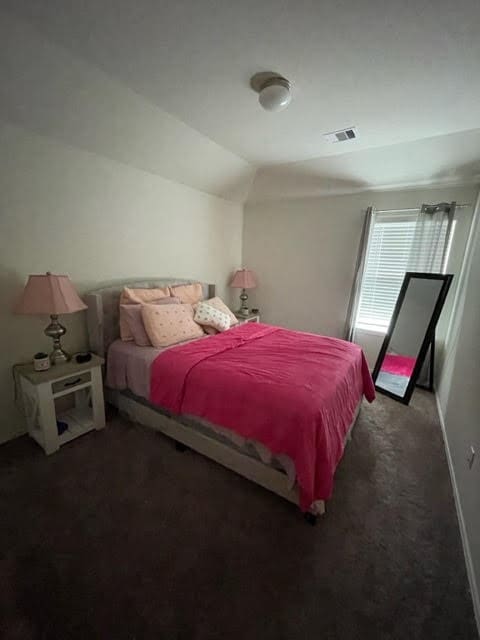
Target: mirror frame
429, 334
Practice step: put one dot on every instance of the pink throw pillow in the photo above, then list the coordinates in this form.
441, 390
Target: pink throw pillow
138, 296
132, 314
210, 331
170, 323
188, 293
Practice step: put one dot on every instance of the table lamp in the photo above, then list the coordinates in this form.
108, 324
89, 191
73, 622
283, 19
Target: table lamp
52, 295
244, 279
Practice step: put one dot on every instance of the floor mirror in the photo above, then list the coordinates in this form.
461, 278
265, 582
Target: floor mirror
411, 334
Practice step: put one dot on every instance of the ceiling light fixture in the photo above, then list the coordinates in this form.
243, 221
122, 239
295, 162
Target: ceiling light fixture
273, 90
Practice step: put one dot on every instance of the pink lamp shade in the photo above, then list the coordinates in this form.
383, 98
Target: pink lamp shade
49, 294
244, 279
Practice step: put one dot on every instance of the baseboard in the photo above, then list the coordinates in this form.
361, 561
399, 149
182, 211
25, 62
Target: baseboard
461, 522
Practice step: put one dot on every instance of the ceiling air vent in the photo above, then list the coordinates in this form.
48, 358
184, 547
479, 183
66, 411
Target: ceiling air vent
341, 136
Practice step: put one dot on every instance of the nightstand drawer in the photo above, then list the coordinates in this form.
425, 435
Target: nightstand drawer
73, 381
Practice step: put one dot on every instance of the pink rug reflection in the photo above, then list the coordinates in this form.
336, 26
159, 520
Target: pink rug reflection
398, 365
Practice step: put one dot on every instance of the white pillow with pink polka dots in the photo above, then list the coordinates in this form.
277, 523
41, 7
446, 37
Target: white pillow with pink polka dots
208, 316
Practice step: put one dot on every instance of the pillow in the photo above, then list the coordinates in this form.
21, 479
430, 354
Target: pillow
211, 317
132, 314
188, 293
210, 331
169, 324
217, 303
144, 295
137, 296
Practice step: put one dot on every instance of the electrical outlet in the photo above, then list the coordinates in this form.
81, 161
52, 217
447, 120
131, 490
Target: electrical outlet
471, 457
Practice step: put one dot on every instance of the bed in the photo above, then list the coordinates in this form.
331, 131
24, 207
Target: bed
166, 389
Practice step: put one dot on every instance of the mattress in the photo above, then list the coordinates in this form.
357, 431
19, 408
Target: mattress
128, 370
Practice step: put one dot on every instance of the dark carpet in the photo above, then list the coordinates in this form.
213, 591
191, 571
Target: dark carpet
118, 535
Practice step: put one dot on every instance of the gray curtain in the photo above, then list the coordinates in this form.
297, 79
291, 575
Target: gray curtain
431, 239
357, 280
429, 252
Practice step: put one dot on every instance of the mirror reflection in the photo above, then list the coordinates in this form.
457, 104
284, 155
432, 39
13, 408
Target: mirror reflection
410, 334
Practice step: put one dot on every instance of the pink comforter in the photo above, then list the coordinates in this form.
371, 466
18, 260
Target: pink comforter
294, 392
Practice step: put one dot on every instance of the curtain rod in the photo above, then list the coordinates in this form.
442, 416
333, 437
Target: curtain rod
458, 206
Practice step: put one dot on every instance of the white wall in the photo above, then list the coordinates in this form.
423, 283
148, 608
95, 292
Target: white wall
99, 183
70, 211
304, 253
459, 403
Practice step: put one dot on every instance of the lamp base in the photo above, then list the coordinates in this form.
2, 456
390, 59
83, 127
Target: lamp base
244, 310
59, 356
55, 331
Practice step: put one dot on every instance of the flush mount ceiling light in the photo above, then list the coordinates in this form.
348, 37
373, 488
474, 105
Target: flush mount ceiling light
273, 90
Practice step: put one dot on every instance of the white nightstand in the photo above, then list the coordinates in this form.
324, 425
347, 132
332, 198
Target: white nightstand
40, 389
252, 317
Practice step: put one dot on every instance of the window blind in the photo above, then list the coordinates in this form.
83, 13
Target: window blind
395, 247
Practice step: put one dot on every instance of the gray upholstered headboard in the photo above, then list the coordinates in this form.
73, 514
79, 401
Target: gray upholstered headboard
103, 308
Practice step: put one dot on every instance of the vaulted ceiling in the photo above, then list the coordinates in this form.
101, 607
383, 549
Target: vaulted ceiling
398, 71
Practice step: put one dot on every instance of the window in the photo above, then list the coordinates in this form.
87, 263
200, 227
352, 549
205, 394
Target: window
394, 247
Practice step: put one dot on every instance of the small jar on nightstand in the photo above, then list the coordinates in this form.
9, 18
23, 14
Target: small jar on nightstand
252, 317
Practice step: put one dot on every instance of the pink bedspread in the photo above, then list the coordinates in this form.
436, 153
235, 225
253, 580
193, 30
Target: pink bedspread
294, 392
